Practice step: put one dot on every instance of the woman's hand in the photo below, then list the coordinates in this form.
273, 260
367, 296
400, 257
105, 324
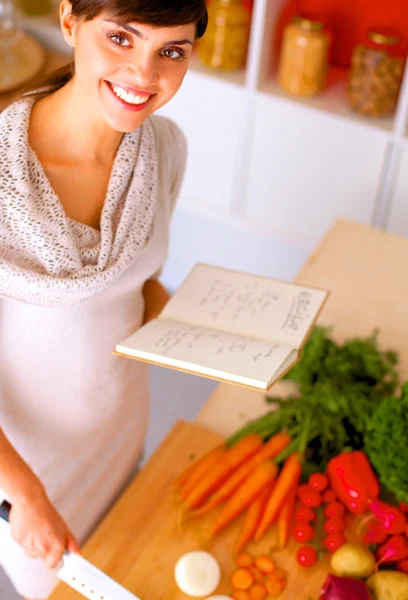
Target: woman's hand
156, 297
40, 530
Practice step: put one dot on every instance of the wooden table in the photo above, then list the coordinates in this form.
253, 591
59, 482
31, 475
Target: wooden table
366, 271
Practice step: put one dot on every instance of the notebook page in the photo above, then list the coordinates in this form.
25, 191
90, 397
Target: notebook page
193, 348
246, 305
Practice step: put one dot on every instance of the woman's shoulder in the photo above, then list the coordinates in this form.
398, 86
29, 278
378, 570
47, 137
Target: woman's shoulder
13, 118
170, 139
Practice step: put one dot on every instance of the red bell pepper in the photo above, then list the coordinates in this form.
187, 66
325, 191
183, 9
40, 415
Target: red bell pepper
353, 480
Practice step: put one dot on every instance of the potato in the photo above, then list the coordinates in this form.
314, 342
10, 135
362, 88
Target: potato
389, 585
352, 560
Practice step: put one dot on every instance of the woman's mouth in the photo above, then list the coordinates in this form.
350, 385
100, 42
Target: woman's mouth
129, 99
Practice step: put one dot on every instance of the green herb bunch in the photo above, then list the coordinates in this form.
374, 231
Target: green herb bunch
340, 386
387, 443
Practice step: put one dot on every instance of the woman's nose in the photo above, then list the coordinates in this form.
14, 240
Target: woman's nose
143, 72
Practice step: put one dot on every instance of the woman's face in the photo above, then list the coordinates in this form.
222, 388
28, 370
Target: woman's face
126, 71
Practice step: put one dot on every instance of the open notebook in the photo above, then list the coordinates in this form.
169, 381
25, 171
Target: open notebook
229, 326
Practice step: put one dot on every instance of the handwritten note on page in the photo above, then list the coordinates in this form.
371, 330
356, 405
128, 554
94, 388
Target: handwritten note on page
207, 351
245, 304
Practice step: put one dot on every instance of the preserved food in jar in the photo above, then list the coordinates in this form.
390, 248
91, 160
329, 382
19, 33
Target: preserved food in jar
375, 75
225, 43
304, 57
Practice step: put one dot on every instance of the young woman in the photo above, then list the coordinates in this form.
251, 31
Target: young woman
88, 181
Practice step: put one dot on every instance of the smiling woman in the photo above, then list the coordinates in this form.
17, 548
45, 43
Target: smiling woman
89, 177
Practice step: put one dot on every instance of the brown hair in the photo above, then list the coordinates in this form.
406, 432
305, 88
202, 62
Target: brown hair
157, 13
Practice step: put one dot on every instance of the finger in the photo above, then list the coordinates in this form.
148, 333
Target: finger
54, 557
33, 553
72, 544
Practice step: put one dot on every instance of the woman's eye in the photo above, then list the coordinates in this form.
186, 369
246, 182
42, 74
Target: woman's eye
119, 39
174, 54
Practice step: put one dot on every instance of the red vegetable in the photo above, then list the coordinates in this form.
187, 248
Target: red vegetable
308, 496
306, 556
375, 534
402, 565
303, 532
396, 548
318, 481
334, 525
305, 513
403, 507
343, 588
334, 509
334, 541
329, 496
391, 518
353, 480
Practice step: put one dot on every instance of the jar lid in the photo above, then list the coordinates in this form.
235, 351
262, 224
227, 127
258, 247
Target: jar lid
309, 24
385, 37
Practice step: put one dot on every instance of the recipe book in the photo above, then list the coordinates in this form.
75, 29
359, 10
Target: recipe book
230, 326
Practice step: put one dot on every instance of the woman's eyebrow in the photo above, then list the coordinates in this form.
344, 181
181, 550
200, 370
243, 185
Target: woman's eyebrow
140, 35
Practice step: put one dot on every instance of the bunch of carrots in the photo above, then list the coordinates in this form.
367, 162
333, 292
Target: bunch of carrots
253, 477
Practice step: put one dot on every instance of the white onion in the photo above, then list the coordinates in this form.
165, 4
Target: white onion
197, 574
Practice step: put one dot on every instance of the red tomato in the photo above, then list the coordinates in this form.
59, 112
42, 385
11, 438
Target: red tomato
305, 513
306, 556
329, 496
318, 482
402, 565
303, 532
334, 541
334, 509
334, 525
308, 496
403, 507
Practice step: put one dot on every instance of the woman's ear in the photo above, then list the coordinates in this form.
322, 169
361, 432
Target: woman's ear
68, 23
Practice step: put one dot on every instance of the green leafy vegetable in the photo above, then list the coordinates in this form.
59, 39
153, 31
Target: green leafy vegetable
340, 387
387, 443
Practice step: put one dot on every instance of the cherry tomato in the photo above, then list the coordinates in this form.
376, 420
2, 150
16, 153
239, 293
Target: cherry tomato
334, 525
303, 532
334, 541
318, 482
329, 496
306, 556
308, 496
305, 513
334, 509
403, 507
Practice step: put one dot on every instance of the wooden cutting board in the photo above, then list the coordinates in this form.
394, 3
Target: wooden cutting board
140, 541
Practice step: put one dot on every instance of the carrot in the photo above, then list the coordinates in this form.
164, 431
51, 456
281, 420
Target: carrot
234, 457
258, 591
255, 483
244, 560
241, 595
290, 472
202, 467
258, 577
279, 574
182, 478
269, 450
285, 517
241, 579
265, 564
273, 586
252, 519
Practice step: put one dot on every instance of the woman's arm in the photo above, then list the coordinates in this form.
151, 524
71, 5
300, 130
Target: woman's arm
156, 297
16, 478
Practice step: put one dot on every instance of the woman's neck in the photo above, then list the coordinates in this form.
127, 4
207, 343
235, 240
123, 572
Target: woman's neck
63, 127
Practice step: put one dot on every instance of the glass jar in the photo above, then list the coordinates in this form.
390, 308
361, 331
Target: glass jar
376, 73
304, 57
225, 43
36, 7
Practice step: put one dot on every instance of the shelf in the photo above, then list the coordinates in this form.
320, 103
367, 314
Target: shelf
332, 101
237, 77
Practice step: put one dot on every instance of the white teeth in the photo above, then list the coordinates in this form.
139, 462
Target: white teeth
129, 97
